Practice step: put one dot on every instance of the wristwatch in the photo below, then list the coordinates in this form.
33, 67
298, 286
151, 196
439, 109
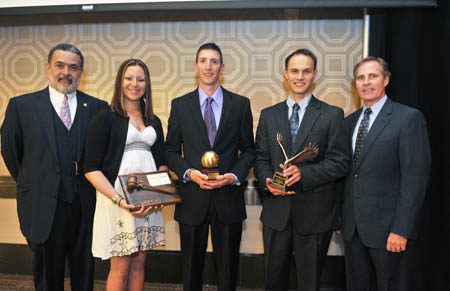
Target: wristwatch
115, 198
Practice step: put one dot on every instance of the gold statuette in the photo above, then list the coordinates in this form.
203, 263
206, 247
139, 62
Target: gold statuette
309, 153
210, 163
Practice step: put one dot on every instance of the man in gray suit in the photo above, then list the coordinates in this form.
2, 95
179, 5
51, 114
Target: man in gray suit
385, 188
302, 218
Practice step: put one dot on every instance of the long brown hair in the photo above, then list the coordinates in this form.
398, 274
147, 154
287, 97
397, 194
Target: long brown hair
117, 103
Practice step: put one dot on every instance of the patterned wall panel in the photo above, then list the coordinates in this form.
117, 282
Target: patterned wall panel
254, 53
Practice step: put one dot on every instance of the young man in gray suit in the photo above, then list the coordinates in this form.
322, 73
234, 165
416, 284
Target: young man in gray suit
43, 137
302, 218
385, 187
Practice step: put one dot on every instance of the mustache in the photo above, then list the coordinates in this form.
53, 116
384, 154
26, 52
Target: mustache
67, 78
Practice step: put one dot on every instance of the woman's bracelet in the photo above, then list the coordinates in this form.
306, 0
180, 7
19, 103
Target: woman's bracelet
115, 198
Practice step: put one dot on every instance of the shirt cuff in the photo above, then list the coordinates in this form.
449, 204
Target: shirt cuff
236, 180
186, 177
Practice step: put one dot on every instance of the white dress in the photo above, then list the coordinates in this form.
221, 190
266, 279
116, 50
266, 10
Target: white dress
116, 232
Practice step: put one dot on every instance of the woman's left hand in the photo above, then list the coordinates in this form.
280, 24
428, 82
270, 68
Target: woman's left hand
163, 168
145, 210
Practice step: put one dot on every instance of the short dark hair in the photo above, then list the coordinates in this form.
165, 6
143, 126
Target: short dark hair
117, 102
384, 65
209, 46
68, 48
303, 51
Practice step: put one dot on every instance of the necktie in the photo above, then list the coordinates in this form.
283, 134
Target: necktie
210, 121
293, 124
65, 113
362, 133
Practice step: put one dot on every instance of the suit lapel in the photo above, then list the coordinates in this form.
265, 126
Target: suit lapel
282, 120
227, 105
311, 114
45, 110
194, 104
377, 127
83, 117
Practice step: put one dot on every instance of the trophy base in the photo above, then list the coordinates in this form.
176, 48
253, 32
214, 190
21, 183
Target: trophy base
278, 181
211, 173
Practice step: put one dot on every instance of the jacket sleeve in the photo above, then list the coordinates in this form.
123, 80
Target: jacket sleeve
335, 161
263, 164
174, 142
12, 140
415, 166
246, 144
97, 143
158, 148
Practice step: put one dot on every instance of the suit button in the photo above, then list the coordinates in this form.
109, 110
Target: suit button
356, 176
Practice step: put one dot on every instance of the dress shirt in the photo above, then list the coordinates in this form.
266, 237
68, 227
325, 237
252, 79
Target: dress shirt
301, 112
216, 105
376, 108
217, 109
56, 98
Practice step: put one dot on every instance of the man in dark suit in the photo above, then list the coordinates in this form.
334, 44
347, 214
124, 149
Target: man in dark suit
385, 187
42, 137
210, 119
302, 218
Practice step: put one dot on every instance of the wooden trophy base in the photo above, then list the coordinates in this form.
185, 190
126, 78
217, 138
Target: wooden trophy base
212, 173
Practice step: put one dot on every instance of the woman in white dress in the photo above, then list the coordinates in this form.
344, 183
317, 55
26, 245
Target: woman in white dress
125, 138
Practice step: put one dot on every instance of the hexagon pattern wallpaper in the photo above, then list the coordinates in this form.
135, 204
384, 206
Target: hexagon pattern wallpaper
254, 53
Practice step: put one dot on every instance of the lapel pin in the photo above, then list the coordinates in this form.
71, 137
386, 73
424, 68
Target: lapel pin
84, 104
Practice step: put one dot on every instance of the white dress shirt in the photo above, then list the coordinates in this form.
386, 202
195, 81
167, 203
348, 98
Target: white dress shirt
376, 108
56, 98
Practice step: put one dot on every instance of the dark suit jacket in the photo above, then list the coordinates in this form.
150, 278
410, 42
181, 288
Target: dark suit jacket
314, 206
234, 145
385, 191
29, 151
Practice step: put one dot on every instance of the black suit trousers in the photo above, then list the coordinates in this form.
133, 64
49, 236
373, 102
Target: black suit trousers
310, 253
226, 240
70, 238
376, 269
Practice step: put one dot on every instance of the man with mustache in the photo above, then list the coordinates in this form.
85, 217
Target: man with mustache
42, 144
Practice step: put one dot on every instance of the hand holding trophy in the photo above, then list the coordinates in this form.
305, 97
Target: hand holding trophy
309, 153
210, 163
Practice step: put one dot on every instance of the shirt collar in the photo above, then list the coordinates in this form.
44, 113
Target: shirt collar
60, 96
217, 96
303, 103
376, 108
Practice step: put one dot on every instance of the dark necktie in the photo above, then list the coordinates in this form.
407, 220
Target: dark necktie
362, 133
210, 121
65, 113
293, 124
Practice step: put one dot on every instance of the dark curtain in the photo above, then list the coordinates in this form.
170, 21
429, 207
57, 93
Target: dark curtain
416, 44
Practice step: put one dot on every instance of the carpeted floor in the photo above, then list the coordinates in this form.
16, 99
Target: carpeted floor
12, 282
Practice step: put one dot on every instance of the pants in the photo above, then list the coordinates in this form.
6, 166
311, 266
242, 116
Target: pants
226, 240
371, 269
310, 253
71, 238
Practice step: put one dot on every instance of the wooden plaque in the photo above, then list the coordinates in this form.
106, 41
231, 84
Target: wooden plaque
152, 189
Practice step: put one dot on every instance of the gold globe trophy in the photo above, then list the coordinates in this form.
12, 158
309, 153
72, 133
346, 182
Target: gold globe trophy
210, 163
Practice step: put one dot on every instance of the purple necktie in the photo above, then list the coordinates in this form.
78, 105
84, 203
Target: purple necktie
210, 121
65, 114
